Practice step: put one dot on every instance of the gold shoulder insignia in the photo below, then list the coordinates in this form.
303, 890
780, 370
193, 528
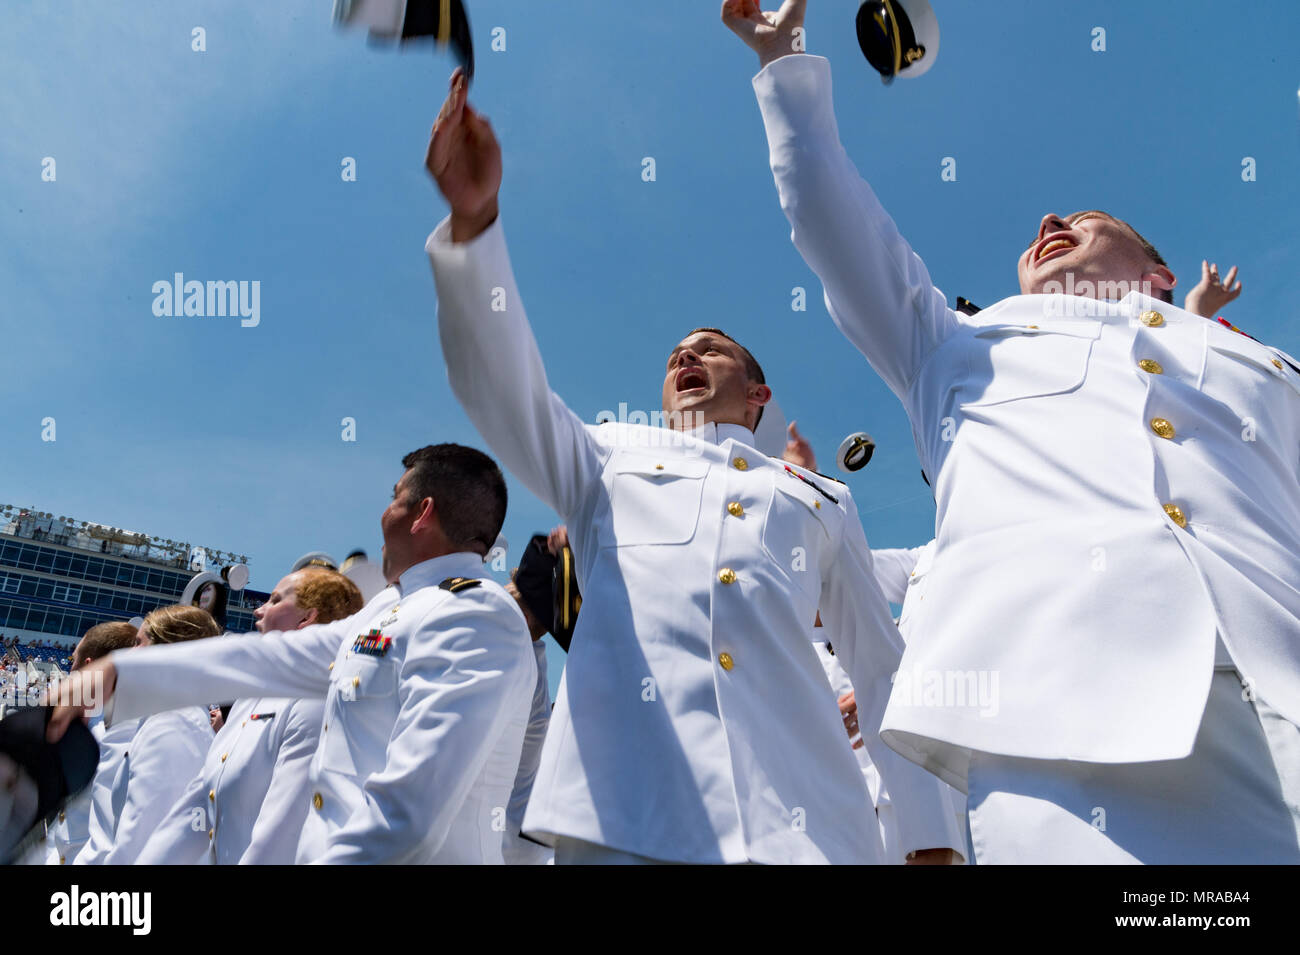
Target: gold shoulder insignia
457, 584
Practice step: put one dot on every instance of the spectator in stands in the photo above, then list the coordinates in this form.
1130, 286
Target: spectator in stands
164, 752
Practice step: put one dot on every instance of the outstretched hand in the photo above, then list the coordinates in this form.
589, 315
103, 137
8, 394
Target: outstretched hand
464, 159
1211, 294
798, 450
771, 35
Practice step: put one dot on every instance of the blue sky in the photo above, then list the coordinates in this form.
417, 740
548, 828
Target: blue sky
225, 165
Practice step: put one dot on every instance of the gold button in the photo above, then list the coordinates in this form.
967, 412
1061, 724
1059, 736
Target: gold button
211, 833
659, 467
1151, 366
331, 666
317, 801
1162, 427
740, 464
245, 723
724, 659
63, 816
817, 504
1034, 327
212, 795
1277, 364
727, 575
735, 509
356, 681
1176, 514
1151, 319
223, 756
63, 860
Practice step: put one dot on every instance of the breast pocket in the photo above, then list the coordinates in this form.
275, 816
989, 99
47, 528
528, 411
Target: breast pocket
1010, 362
796, 533
656, 501
364, 694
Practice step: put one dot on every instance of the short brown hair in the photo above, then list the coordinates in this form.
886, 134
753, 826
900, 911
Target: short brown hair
103, 638
179, 624
332, 595
468, 490
752, 367
1164, 294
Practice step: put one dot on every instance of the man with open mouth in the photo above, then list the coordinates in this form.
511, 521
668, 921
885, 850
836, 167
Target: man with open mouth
1118, 526
693, 723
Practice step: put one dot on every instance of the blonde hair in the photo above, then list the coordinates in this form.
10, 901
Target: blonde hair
332, 595
178, 624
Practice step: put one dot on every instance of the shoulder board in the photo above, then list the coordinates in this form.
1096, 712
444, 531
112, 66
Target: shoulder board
457, 584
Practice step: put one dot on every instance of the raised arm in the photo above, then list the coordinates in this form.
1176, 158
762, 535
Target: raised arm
492, 359
147, 680
878, 290
893, 567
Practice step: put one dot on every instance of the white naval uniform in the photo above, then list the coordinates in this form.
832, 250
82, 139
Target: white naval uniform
420, 742
880, 802
517, 849
69, 832
142, 779
693, 722
249, 802
901, 574
895, 567
1116, 483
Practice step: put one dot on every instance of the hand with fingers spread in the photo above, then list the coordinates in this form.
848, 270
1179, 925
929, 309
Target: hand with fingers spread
464, 159
1210, 293
798, 450
771, 35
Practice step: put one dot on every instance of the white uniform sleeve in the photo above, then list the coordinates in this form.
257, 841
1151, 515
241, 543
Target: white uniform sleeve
878, 290
869, 648
496, 370
468, 672
894, 566
284, 809
165, 756
231, 667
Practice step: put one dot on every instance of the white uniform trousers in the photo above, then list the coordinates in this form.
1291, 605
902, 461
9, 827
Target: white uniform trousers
1234, 800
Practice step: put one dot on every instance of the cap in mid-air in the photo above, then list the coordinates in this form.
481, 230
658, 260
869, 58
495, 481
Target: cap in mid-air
855, 451
443, 21
898, 37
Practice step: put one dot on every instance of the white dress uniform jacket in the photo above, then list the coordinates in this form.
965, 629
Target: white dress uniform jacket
70, 831
426, 692
107, 792
895, 568
156, 762
248, 804
693, 722
517, 849
1115, 481
880, 803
